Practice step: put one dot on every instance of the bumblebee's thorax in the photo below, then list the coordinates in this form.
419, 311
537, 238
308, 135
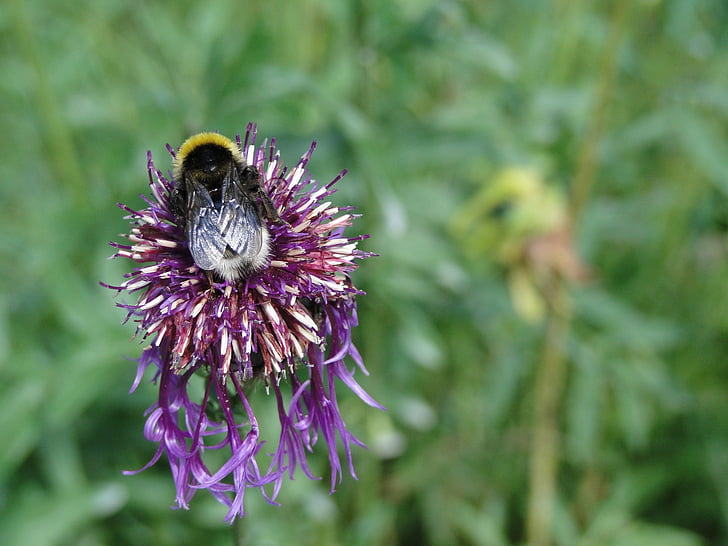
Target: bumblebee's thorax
209, 164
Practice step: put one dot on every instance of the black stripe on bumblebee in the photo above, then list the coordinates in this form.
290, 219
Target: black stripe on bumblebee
218, 201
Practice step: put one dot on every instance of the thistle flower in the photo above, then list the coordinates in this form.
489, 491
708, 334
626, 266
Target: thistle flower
288, 323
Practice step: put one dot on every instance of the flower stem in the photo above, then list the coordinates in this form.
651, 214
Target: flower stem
552, 374
587, 160
58, 140
238, 532
550, 380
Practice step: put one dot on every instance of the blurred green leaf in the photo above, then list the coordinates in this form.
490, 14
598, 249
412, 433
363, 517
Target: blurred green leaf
419, 101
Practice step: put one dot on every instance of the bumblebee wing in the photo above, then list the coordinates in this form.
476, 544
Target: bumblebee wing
240, 227
205, 242
239, 222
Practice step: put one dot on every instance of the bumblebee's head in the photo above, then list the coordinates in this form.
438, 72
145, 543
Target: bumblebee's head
207, 157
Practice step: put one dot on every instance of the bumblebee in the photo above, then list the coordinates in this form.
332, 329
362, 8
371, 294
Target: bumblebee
218, 201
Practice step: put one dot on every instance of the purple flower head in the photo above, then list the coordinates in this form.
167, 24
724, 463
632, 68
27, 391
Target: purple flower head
287, 322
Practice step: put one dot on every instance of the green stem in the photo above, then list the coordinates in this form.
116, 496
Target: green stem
587, 160
552, 374
238, 531
550, 380
57, 135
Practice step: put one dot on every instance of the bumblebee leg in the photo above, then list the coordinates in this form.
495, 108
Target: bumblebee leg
269, 208
250, 177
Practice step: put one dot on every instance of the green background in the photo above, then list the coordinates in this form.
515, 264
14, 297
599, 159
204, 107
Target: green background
422, 101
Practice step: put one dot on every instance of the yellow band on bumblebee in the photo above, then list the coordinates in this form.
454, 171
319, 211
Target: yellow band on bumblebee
203, 139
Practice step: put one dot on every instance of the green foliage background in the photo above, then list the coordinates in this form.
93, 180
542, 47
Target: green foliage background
421, 101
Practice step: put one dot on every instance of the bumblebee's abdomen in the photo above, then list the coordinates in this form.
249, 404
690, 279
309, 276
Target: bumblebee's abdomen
233, 266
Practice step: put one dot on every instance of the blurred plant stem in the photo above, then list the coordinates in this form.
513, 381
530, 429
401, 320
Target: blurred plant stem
587, 160
238, 529
52, 126
552, 374
550, 380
